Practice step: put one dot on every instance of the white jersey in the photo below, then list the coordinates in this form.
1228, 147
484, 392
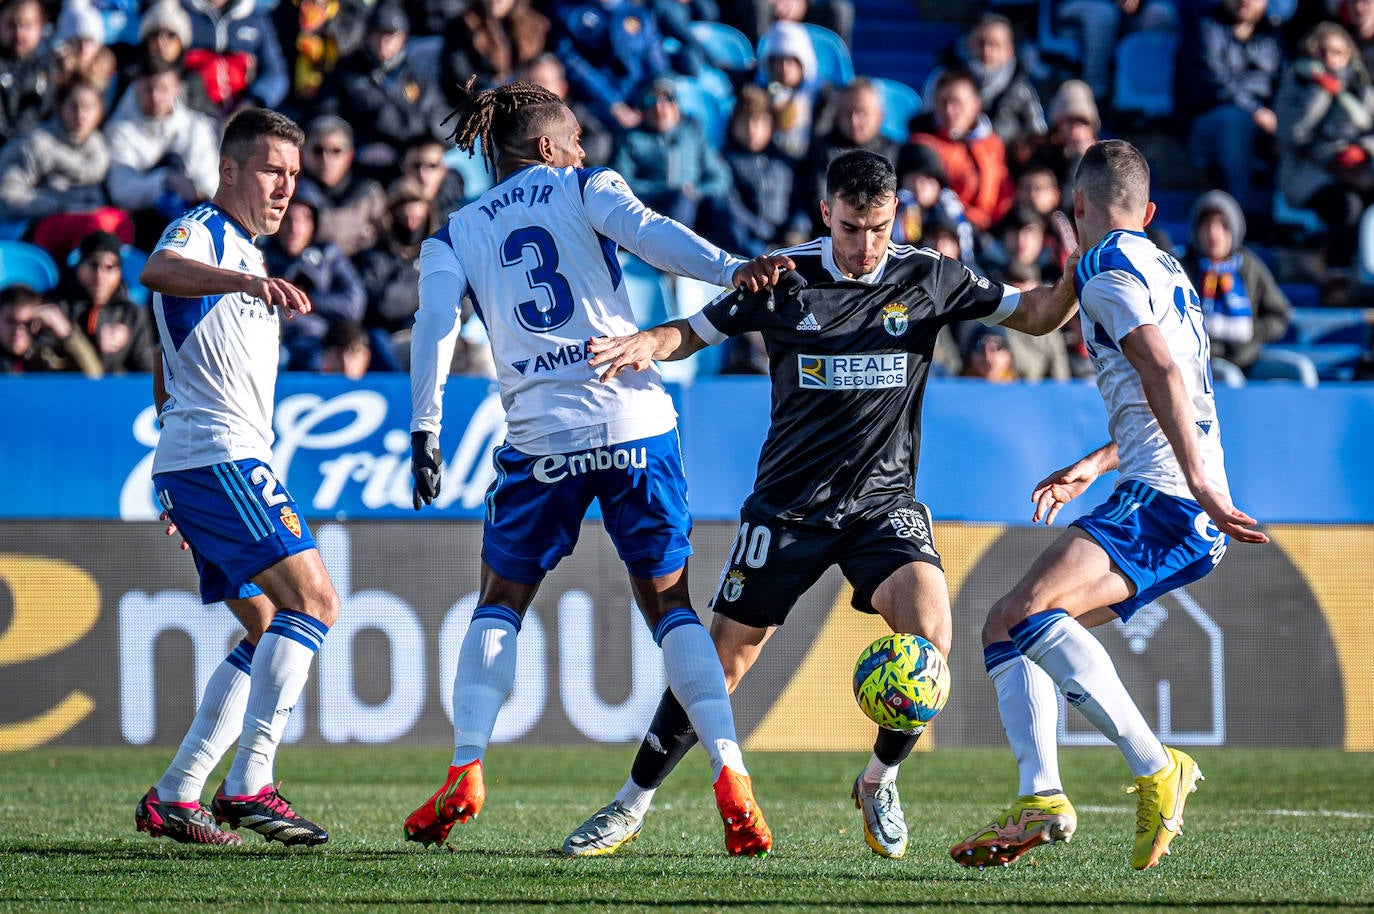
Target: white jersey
219, 352
537, 256
1125, 282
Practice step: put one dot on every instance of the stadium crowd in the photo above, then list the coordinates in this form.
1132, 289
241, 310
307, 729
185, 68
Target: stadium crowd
110, 115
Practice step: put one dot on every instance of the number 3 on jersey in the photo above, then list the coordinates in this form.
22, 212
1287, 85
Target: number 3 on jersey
542, 313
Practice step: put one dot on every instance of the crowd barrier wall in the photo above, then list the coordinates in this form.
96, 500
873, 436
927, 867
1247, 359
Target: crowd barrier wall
104, 642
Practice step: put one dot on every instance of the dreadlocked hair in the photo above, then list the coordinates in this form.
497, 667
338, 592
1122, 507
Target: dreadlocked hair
504, 119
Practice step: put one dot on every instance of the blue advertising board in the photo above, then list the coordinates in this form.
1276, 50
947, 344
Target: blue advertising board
73, 448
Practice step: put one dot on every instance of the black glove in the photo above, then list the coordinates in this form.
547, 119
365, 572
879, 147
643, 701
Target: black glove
426, 467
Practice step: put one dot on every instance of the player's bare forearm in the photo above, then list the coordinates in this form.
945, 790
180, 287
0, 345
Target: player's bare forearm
172, 274
1044, 309
636, 352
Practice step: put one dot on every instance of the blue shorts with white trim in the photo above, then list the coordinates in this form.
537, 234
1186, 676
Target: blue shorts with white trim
536, 505
1160, 542
238, 520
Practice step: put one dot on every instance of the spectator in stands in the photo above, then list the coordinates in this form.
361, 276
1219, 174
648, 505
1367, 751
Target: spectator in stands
352, 208
612, 50
322, 272
1228, 68
315, 35
79, 40
672, 168
35, 336
788, 70
26, 92
1242, 306
390, 273
922, 190
423, 162
94, 297
835, 15
1099, 24
1074, 127
1019, 240
761, 198
164, 157
390, 101
346, 350
973, 155
235, 51
547, 71
857, 123
491, 40
1358, 18
164, 33
1037, 358
1037, 186
986, 354
429, 17
675, 18
55, 176
988, 53
1326, 137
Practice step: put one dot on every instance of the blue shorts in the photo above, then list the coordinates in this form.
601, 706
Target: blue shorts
1158, 541
238, 520
536, 505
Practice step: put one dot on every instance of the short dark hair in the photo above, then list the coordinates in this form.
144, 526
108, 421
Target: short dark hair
951, 76
12, 296
1113, 173
150, 65
861, 178
245, 129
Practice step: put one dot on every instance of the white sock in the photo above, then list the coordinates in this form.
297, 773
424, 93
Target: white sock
216, 727
1029, 706
486, 673
1084, 672
694, 674
877, 772
281, 666
635, 798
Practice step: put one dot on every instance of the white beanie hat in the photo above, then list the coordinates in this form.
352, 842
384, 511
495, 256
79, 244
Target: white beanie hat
79, 20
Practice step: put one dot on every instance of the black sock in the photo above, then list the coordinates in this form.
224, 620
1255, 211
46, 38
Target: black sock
892, 747
669, 738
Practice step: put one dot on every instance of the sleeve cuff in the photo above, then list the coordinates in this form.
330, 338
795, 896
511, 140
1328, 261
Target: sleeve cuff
1011, 297
701, 325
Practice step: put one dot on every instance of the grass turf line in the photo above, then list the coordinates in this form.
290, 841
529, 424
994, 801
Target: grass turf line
1273, 831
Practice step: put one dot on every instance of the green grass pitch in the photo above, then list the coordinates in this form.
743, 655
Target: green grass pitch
1273, 831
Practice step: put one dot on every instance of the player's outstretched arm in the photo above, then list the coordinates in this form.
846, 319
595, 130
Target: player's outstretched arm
1064, 485
664, 343
1045, 309
1149, 354
172, 274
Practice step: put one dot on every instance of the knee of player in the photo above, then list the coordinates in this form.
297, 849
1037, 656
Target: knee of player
321, 602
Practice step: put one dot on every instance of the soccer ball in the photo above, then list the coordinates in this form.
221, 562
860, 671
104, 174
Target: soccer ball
901, 682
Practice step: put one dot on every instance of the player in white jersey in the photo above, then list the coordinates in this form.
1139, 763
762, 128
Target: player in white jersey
217, 314
1166, 524
536, 254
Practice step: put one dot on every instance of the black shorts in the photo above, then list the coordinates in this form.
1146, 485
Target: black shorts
773, 563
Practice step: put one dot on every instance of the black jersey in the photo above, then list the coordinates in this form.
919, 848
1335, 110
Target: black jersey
848, 361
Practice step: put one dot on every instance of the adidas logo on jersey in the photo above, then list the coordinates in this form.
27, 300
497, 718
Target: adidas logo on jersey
809, 323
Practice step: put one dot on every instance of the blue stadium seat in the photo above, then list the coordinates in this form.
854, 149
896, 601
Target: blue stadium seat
1324, 326
726, 46
900, 103
1227, 373
1333, 361
1285, 365
832, 57
1144, 82
1305, 221
131, 264
26, 264
476, 178
705, 105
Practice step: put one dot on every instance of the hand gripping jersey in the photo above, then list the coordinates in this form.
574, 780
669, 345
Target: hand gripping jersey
849, 360
1124, 282
219, 352
537, 256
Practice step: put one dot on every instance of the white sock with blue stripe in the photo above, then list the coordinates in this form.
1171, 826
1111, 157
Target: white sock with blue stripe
217, 724
694, 674
486, 673
1084, 672
1028, 704
281, 667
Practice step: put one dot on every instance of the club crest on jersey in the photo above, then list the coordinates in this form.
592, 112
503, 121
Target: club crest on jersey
895, 319
176, 237
732, 586
292, 521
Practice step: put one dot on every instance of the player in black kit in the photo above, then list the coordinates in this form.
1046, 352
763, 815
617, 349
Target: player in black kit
849, 341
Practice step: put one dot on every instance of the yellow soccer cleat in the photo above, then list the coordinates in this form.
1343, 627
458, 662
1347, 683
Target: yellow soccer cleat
1027, 823
1159, 807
